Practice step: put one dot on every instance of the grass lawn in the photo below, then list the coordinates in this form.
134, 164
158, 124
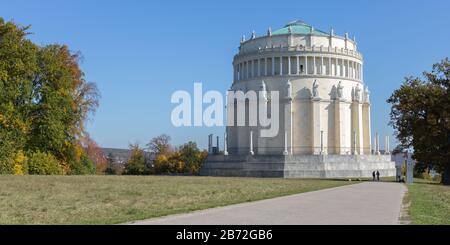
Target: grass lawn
430, 203
118, 199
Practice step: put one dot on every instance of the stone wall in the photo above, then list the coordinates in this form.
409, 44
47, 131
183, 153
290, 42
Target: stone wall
300, 166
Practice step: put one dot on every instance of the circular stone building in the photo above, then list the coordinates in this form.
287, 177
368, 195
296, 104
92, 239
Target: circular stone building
324, 109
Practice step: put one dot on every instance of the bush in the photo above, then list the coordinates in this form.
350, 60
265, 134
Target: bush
188, 159
137, 163
40, 163
6, 165
84, 166
20, 164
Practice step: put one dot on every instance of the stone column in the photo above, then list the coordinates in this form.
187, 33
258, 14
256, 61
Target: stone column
289, 65
330, 69
259, 67
367, 134
306, 65
322, 70
265, 66
288, 120
273, 66
281, 65
225, 142
285, 152
357, 125
322, 149
210, 140
377, 144
315, 112
354, 150
386, 145
251, 144
217, 143
314, 66
298, 65
341, 146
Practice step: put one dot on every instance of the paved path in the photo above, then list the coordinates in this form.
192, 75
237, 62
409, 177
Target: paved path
365, 203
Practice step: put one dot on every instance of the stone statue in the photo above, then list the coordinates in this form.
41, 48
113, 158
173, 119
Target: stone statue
315, 90
253, 35
357, 93
263, 90
339, 91
367, 95
289, 89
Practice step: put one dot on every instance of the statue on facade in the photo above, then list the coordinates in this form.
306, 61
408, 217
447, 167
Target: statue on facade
357, 93
315, 90
367, 95
289, 89
263, 90
339, 91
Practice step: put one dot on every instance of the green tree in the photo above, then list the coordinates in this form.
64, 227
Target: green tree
420, 115
59, 108
44, 99
41, 163
137, 163
18, 67
192, 157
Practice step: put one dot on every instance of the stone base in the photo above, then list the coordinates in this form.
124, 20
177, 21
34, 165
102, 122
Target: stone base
299, 166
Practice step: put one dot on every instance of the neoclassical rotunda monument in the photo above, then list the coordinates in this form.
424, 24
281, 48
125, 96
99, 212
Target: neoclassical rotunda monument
324, 109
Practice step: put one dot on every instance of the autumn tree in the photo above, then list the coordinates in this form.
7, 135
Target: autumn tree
192, 157
160, 145
420, 115
44, 100
18, 68
95, 154
137, 163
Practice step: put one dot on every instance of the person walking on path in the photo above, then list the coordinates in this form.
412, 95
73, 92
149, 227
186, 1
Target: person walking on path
373, 175
378, 176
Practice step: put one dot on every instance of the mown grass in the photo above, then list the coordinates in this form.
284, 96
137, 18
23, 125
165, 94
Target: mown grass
429, 203
118, 199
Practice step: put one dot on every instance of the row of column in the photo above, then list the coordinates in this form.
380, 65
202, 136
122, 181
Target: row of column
353, 138
322, 150
298, 65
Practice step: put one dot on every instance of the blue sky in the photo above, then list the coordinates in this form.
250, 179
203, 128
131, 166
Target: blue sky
140, 52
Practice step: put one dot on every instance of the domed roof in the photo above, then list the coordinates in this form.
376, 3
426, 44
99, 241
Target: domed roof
299, 27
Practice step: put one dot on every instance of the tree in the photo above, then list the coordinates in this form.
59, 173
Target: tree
95, 154
160, 145
192, 157
136, 164
59, 109
420, 115
44, 100
18, 67
186, 159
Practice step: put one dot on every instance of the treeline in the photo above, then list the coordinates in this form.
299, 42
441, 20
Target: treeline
159, 157
44, 103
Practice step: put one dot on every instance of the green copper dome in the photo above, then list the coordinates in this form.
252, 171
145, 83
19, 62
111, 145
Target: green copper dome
299, 27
